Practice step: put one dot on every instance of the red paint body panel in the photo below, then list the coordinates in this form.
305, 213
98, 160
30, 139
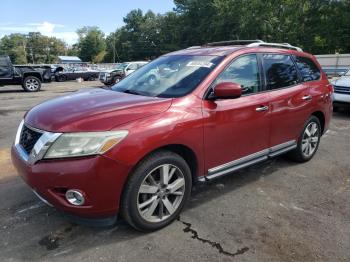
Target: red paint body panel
93, 110
233, 128
100, 178
216, 132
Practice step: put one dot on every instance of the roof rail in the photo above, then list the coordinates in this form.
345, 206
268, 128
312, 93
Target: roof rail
251, 43
278, 45
233, 42
194, 47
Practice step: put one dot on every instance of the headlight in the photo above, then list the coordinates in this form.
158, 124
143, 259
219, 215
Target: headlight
84, 144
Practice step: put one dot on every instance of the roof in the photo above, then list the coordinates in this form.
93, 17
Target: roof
224, 48
211, 51
69, 58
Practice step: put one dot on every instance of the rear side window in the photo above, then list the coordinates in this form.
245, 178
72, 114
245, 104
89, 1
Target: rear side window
308, 70
280, 71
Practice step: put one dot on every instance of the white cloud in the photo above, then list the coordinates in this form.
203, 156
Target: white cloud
45, 28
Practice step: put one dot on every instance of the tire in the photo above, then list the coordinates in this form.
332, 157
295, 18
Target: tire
307, 145
116, 80
335, 109
61, 78
137, 204
91, 78
31, 84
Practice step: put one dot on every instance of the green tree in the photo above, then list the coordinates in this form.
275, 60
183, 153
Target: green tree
14, 45
91, 43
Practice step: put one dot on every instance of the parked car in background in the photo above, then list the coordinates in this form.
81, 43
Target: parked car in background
73, 73
138, 147
333, 72
29, 77
110, 77
341, 96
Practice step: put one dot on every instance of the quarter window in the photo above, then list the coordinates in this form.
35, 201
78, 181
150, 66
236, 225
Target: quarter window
280, 71
308, 70
244, 71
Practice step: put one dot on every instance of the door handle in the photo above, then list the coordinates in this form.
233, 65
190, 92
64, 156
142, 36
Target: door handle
307, 98
261, 108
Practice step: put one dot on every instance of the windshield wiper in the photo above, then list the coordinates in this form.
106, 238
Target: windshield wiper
133, 92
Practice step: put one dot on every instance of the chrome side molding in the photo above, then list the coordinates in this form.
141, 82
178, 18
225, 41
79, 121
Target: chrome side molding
249, 160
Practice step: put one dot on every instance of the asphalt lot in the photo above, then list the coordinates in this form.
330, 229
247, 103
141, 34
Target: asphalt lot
275, 211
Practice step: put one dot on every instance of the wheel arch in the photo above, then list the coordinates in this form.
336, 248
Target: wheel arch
182, 150
35, 74
321, 117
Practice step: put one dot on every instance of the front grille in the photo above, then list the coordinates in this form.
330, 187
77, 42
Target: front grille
28, 138
342, 89
102, 76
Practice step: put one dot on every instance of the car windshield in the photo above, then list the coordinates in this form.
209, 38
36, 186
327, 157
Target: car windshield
169, 76
121, 66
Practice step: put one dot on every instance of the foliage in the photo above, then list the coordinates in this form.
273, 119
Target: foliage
318, 26
91, 45
33, 48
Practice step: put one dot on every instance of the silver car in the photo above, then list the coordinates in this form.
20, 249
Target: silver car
341, 97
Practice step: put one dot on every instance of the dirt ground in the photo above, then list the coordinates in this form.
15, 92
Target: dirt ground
275, 211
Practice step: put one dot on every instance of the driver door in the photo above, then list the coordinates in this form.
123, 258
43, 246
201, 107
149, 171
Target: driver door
6, 70
237, 130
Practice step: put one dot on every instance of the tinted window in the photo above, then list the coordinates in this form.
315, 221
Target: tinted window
244, 71
280, 71
309, 71
3, 61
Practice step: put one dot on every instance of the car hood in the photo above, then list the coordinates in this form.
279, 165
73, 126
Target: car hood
343, 81
112, 70
93, 110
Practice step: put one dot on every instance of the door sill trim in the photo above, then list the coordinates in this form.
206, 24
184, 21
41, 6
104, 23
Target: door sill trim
248, 160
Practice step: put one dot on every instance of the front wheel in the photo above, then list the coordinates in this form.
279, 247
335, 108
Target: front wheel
116, 80
31, 84
156, 191
308, 141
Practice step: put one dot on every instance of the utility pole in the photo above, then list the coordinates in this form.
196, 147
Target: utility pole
113, 48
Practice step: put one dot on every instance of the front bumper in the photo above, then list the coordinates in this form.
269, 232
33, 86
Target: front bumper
100, 178
341, 98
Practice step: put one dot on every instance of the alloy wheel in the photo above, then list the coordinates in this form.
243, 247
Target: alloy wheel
310, 139
32, 84
161, 193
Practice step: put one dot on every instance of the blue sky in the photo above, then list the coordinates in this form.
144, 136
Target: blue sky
63, 17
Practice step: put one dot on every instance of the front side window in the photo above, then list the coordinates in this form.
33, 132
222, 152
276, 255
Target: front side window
308, 70
244, 71
132, 67
280, 71
169, 76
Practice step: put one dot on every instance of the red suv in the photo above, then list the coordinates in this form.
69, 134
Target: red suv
138, 147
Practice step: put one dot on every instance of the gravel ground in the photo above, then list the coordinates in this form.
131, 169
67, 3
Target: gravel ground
275, 211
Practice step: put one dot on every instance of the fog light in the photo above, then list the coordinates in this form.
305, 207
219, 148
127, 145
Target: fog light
75, 197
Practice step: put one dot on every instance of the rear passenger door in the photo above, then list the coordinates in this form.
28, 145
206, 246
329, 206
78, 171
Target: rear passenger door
289, 99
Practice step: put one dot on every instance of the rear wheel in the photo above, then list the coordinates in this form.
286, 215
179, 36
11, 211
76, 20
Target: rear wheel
61, 78
308, 141
31, 84
156, 191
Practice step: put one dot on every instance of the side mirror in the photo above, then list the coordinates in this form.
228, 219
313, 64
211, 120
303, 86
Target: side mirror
227, 90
